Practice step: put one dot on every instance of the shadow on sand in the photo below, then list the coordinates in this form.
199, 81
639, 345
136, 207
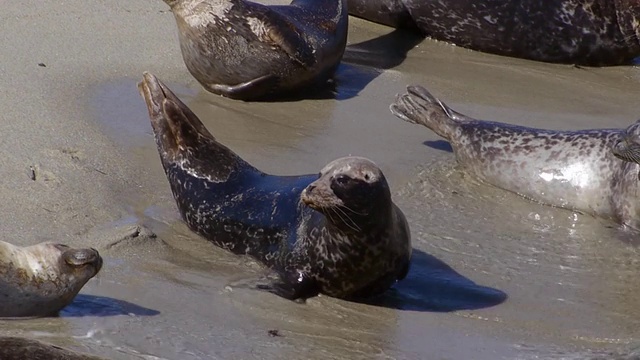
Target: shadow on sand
432, 285
92, 305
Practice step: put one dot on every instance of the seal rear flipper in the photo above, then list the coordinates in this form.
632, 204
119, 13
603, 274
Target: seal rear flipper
418, 106
181, 136
247, 90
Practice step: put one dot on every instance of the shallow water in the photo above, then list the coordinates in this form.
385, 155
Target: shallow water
494, 276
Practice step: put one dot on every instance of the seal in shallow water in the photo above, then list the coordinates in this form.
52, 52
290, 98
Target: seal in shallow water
245, 50
571, 169
42, 279
15, 348
587, 32
336, 233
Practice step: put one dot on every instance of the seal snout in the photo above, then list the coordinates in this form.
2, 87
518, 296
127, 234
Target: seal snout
82, 257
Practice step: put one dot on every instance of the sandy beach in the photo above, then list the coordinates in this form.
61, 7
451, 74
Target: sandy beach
495, 276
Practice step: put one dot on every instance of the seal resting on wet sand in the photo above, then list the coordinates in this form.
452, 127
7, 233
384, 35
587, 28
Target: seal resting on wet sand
15, 348
245, 50
576, 170
585, 32
42, 279
337, 233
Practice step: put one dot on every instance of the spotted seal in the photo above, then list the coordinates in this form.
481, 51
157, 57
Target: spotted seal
245, 50
16, 348
585, 32
337, 233
42, 279
576, 170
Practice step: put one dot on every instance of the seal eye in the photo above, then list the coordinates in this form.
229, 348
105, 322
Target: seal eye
342, 179
367, 177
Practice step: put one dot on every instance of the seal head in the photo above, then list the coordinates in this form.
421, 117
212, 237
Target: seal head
337, 233
42, 279
245, 50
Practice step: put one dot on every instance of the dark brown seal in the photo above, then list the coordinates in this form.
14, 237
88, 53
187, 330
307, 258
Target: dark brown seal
576, 170
42, 279
587, 32
245, 50
337, 233
16, 348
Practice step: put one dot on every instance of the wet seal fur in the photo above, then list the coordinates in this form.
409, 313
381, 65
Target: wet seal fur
40, 280
584, 32
337, 233
576, 170
16, 348
245, 50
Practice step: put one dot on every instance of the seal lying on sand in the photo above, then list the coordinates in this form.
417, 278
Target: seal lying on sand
571, 169
42, 279
337, 233
587, 32
15, 348
244, 50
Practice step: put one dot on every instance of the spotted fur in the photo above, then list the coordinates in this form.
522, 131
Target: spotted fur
338, 233
588, 32
576, 170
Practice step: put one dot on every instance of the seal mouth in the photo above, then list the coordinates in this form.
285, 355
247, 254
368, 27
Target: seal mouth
627, 151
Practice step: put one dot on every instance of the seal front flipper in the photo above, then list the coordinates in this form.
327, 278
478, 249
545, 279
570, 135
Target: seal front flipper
293, 286
253, 88
418, 106
182, 138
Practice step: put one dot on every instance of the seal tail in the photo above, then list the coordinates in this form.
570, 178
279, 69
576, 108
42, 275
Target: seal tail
418, 106
179, 133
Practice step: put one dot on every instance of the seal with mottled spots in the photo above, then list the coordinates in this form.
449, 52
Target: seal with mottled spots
249, 51
40, 280
337, 232
576, 170
16, 348
584, 32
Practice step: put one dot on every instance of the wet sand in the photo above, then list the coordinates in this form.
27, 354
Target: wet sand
494, 277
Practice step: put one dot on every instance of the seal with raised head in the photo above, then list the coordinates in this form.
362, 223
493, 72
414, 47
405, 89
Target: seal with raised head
16, 348
40, 280
337, 233
245, 50
576, 170
585, 32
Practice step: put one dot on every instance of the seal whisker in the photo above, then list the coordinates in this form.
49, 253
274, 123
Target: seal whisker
344, 217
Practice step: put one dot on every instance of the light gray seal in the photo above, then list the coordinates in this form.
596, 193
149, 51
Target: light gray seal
576, 170
584, 32
42, 279
245, 50
337, 232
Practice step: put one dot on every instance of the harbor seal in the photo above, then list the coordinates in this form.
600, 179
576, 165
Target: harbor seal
576, 170
42, 279
16, 348
337, 233
248, 51
583, 32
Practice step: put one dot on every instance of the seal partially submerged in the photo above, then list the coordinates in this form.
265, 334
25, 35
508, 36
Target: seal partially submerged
245, 50
15, 348
42, 279
337, 233
570, 169
587, 32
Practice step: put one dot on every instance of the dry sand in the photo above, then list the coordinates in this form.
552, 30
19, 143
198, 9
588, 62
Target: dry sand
78, 121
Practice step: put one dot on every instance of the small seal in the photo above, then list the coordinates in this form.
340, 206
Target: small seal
245, 50
16, 348
576, 170
337, 233
42, 279
583, 32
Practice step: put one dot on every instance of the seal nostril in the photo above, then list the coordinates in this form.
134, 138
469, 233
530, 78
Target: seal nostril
310, 188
